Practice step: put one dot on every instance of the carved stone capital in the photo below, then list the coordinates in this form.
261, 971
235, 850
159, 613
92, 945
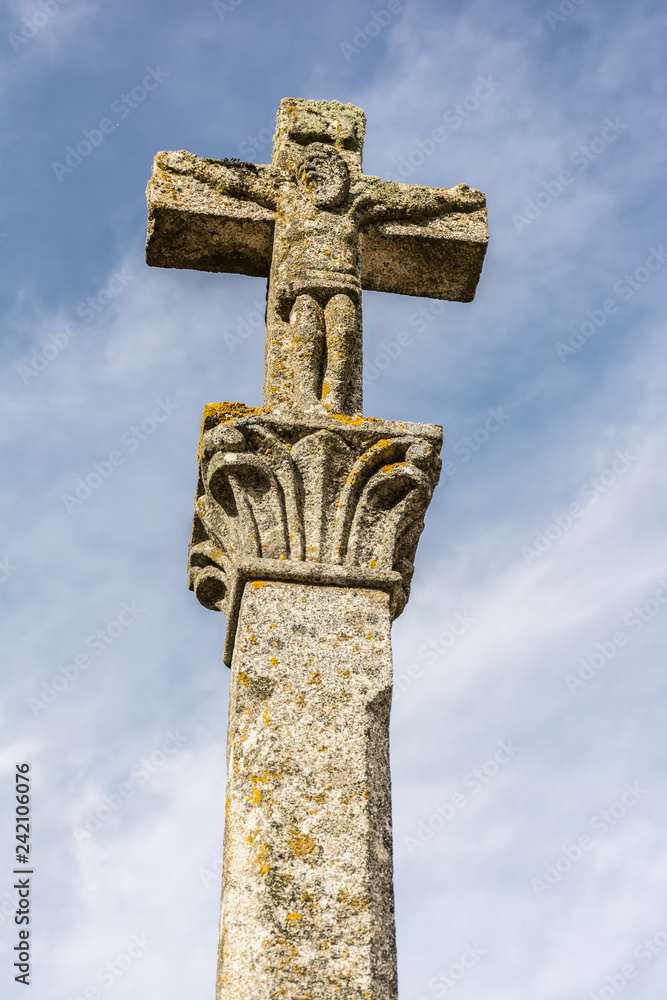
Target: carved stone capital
329, 500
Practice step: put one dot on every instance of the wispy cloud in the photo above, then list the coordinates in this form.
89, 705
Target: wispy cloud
483, 651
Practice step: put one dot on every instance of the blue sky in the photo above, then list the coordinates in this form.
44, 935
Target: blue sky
537, 607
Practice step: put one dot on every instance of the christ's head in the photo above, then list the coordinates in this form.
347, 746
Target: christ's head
322, 171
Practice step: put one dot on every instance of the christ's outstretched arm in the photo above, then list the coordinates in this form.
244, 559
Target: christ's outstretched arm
379, 200
237, 180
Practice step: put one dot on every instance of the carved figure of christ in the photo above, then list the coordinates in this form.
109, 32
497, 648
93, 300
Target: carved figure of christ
321, 205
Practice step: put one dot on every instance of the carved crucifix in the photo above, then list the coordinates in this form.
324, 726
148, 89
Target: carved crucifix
307, 518
320, 230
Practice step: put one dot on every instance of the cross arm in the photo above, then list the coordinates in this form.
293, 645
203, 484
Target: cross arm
418, 240
211, 215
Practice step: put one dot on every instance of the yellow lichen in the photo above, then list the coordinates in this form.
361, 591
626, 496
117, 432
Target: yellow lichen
394, 465
261, 779
356, 421
219, 413
301, 844
356, 903
262, 860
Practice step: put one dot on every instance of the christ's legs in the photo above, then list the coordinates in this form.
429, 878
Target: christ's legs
308, 337
342, 389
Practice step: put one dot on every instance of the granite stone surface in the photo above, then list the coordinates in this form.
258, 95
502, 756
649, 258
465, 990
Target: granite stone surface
320, 230
308, 498
307, 519
307, 903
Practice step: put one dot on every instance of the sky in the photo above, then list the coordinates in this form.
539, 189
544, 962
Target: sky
527, 732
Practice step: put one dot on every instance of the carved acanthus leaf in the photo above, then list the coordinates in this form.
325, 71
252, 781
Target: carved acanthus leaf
297, 491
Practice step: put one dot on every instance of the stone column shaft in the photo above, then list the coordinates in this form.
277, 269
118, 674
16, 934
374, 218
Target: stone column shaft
307, 901
304, 535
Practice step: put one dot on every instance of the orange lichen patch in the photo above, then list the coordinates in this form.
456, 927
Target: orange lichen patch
258, 584
355, 421
320, 749
301, 844
315, 678
355, 903
225, 411
373, 563
243, 677
262, 860
273, 661
325, 390
293, 917
265, 717
261, 779
394, 465
218, 413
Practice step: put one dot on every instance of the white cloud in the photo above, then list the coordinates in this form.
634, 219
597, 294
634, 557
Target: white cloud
504, 679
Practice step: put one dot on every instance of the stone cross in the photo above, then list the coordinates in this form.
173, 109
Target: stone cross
307, 518
320, 230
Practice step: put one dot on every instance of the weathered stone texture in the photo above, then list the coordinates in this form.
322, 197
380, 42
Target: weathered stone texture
307, 518
307, 904
319, 499
321, 230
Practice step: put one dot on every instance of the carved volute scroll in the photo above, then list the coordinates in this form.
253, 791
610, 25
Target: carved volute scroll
349, 495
